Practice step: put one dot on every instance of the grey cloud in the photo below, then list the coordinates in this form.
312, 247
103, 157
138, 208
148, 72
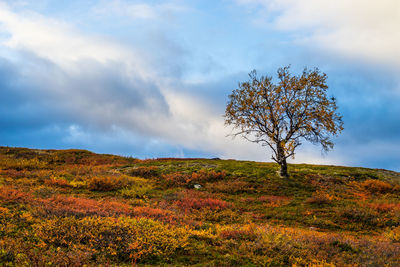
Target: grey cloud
95, 95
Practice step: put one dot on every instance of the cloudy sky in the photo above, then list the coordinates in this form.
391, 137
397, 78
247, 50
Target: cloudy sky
151, 78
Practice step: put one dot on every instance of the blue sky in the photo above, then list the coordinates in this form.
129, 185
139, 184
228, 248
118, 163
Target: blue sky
151, 78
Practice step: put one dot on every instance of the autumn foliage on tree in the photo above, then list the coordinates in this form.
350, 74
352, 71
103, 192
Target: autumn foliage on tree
280, 115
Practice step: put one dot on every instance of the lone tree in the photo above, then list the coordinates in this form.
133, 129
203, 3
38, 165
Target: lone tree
280, 115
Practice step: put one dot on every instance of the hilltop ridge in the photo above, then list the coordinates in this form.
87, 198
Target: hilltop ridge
76, 207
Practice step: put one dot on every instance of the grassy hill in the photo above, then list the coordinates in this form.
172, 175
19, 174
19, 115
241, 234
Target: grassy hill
74, 207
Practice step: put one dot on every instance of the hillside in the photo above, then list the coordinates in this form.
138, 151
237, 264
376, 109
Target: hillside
74, 207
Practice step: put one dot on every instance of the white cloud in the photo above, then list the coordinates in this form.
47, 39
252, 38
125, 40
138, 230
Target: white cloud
61, 44
366, 30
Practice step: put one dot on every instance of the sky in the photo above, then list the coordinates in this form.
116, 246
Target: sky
151, 78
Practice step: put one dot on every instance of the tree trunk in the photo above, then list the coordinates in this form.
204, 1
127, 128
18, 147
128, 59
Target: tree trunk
283, 171
281, 160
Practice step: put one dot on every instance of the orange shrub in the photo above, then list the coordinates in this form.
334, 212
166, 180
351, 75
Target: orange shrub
57, 182
176, 178
377, 186
319, 198
362, 196
384, 207
73, 206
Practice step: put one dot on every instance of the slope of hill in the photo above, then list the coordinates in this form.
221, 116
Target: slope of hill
74, 207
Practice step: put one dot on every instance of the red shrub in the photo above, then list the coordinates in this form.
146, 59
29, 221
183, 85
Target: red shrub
192, 200
72, 206
201, 176
11, 195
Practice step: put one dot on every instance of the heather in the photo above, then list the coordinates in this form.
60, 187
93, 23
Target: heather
75, 208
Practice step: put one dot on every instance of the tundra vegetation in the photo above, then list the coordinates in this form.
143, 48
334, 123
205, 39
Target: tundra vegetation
74, 207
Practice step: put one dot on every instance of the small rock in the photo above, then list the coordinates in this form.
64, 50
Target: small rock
197, 186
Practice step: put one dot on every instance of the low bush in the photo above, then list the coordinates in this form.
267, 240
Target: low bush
19, 164
201, 177
319, 198
191, 200
377, 186
205, 175
10, 195
83, 209
122, 240
139, 188
177, 178
384, 207
73, 206
238, 232
394, 234
56, 181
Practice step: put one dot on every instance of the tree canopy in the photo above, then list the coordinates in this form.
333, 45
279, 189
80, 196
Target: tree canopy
280, 115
